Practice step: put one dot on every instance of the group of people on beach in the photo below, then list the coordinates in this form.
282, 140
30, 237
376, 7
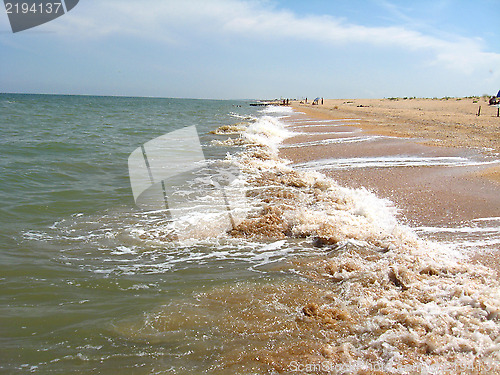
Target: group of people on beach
315, 101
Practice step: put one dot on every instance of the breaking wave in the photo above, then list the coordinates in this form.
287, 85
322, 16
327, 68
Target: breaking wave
359, 291
387, 296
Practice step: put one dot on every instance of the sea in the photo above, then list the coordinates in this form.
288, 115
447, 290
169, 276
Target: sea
246, 264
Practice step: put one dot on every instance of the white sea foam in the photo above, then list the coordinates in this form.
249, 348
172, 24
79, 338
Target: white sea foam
412, 297
277, 110
380, 294
323, 142
389, 162
468, 230
488, 219
476, 236
328, 125
267, 132
325, 122
243, 117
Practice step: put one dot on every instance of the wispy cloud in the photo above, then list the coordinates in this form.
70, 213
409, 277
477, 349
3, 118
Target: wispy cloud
178, 21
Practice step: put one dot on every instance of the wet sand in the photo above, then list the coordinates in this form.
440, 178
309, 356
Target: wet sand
448, 122
368, 295
444, 195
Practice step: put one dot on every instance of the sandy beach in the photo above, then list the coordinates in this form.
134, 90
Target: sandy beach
447, 122
435, 128
451, 122
392, 222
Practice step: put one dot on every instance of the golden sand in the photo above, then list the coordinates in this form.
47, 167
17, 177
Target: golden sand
492, 174
451, 122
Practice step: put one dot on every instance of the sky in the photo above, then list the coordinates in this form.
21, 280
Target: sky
256, 49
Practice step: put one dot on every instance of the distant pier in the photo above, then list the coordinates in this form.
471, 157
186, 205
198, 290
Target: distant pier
262, 103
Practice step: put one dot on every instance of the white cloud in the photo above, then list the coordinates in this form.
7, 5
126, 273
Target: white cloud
176, 21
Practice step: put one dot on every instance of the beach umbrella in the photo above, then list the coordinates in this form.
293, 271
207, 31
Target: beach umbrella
498, 94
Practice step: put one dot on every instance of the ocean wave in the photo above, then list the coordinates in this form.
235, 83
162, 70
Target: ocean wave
369, 291
277, 110
394, 297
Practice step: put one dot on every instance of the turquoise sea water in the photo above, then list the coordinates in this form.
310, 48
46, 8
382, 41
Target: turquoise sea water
70, 271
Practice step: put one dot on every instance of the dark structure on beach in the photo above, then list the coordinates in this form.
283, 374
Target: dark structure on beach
494, 100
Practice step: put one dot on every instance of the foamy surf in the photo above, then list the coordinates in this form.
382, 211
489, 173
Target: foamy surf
329, 141
314, 278
392, 302
480, 235
355, 290
333, 122
278, 110
386, 161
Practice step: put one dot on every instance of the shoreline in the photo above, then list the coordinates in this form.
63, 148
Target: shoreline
377, 291
449, 122
424, 195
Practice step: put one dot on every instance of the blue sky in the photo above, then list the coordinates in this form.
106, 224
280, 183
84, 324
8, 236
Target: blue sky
227, 49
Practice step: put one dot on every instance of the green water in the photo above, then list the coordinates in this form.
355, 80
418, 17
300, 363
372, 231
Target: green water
70, 270
90, 283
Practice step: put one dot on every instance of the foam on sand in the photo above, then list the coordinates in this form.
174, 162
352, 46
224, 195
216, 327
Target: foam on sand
369, 297
391, 298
